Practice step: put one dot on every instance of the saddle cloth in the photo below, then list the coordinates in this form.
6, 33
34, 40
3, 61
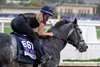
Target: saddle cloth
25, 49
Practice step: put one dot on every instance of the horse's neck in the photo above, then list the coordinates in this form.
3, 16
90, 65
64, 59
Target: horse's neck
56, 43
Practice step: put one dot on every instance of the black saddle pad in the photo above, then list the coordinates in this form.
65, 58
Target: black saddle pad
25, 49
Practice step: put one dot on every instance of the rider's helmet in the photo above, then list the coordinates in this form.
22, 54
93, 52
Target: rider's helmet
47, 10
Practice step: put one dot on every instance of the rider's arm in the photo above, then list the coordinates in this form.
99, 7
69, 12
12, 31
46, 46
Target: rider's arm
41, 31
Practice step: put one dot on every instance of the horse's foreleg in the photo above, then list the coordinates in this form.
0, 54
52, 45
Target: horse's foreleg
3, 65
36, 63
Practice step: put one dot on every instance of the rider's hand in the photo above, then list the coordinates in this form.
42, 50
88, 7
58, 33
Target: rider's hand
51, 34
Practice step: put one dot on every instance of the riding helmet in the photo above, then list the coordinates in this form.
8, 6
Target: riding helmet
47, 10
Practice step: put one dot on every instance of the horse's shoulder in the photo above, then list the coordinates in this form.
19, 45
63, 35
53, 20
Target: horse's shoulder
5, 36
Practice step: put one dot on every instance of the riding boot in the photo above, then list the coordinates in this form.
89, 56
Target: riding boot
42, 56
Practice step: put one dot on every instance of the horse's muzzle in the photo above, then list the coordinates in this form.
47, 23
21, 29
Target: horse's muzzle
82, 47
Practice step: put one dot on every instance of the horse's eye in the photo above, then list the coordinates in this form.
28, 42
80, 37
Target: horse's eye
80, 31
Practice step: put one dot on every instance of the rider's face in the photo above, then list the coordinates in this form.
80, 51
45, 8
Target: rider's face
47, 16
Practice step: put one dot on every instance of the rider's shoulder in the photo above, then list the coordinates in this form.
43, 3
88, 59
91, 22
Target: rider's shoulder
29, 14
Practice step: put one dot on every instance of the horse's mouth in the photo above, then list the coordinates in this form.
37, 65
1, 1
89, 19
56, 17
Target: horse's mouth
83, 48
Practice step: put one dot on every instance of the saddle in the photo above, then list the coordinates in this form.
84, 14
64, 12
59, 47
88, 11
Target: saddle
25, 49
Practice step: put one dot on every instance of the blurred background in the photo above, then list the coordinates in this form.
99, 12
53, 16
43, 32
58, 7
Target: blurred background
83, 9
86, 11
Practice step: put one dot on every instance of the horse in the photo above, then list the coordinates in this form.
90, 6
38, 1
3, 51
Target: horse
64, 32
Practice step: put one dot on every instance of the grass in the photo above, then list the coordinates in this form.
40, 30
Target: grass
98, 33
7, 30
81, 60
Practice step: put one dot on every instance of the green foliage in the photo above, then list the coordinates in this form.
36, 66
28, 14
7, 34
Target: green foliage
98, 8
70, 1
38, 2
81, 2
33, 2
79, 60
48, 0
2, 2
98, 32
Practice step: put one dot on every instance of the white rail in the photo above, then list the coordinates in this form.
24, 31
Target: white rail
3, 21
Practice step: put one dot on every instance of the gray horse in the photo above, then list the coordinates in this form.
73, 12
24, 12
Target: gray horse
65, 32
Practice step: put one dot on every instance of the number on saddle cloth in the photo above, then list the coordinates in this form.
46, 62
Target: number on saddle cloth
25, 49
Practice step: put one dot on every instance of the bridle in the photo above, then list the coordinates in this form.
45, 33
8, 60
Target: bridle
76, 31
78, 43
70, 32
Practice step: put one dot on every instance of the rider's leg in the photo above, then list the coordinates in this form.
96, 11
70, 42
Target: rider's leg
27, 30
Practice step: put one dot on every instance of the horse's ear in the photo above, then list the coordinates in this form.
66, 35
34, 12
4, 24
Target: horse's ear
75, 21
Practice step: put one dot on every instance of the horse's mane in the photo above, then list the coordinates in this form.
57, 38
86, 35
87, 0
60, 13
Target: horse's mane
61, 22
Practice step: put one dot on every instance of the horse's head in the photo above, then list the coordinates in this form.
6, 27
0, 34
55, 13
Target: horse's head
70, 32
75, 37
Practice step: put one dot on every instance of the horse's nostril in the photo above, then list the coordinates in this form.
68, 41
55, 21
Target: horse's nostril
86, 47
83, 48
